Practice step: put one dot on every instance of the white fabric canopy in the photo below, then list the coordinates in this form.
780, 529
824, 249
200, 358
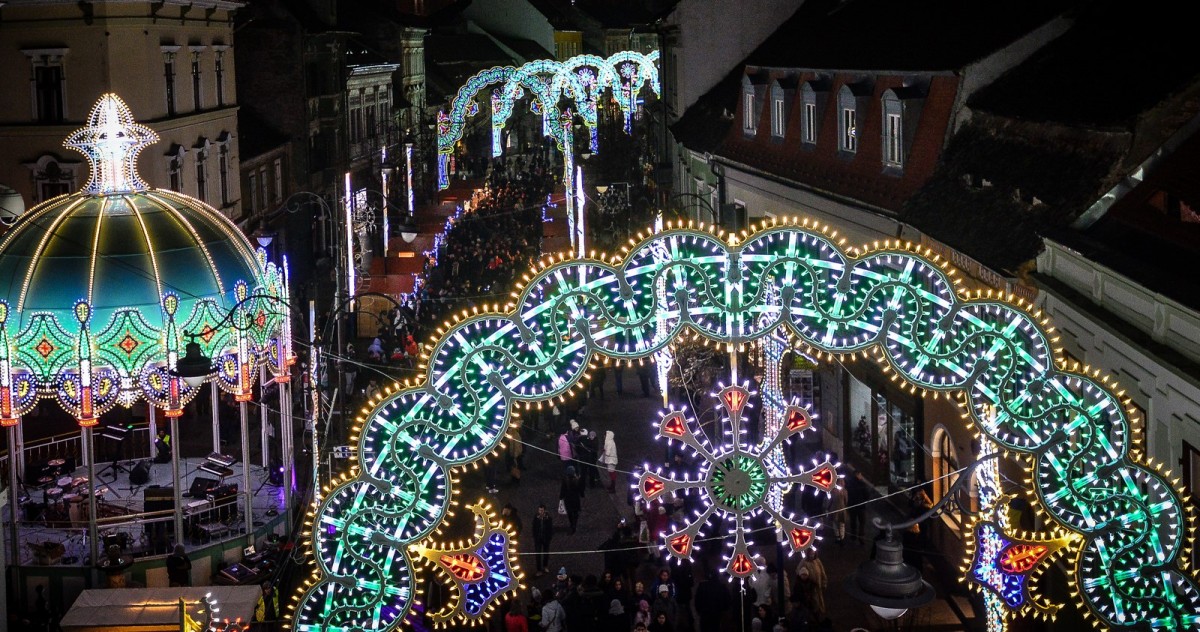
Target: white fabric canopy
149, 609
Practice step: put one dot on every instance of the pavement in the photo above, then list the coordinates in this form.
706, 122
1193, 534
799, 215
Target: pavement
630, 416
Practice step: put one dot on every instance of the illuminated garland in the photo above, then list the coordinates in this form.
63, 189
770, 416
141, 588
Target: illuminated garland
893, 300
735, 482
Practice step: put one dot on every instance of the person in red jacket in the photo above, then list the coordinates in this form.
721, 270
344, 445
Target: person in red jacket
515, 620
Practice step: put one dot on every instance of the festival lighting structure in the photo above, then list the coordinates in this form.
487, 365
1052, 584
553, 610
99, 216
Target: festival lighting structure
893, 301
92, 334
480, 571
734, 482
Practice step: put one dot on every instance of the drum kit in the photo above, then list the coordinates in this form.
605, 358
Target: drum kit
64, 496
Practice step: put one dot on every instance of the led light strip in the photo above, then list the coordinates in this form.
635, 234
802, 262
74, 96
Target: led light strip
893, 301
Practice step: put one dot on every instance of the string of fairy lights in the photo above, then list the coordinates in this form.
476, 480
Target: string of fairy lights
891, 301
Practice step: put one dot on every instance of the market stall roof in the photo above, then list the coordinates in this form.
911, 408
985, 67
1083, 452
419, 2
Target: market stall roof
154, 609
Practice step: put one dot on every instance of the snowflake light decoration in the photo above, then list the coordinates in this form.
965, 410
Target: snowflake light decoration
734, 481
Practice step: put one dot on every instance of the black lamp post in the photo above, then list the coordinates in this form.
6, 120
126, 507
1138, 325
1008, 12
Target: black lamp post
886, 583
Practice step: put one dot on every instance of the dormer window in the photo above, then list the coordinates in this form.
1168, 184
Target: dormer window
808, 115
847, 121
901, 110
754, 92
893, 131
782, 92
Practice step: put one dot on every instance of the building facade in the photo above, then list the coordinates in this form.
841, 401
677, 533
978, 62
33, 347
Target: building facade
172, 62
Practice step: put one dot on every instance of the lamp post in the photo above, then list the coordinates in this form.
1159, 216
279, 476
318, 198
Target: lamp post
716, 220
886, 583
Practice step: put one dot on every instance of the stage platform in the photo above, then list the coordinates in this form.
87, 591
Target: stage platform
137, 517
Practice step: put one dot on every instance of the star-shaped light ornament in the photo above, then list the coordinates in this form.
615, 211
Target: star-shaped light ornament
734, 481
112, 140
481, 570
1008, 563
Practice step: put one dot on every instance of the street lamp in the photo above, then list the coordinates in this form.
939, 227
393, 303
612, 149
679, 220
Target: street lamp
716, 220
886, 583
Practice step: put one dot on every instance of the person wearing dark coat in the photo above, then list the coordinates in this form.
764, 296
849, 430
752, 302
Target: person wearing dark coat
571, 493
712, 601
543, 531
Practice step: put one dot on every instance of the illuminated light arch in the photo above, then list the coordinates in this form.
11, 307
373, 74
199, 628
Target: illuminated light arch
626, 72
892, 301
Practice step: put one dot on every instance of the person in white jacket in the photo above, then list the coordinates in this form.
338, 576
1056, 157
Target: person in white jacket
554, 618
608, 457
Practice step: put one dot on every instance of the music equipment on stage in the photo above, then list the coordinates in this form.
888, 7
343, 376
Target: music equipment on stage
140, 474
197, 506
275, 473
216, 470
222, 492
237, 573
158, 498
218, 465
116, 433
200, 487
221, 459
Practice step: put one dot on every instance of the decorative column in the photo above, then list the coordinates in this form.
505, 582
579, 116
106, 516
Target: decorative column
175, 483
215, 407
249, 505
88, 449
264, 419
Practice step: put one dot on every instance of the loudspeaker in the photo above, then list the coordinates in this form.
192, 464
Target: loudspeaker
158, 498
140, 474
200, 486
275, 473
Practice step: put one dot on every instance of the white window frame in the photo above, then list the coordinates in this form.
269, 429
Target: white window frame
893, 136
278, 167
808, 122
778, 118
47, 58
223, 172
849, 130
197, 72
202, 171
169, 85
748, 113
253, 181
219, 72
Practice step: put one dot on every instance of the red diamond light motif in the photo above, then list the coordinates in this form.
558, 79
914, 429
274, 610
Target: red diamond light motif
681, 544
652, 486
128, 344
797, 419
207, 333
824, 478
734, 397
741, 565
800, 537
45, 348
260, 319
674, 425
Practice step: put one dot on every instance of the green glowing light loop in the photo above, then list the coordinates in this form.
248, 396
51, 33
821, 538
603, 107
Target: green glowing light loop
894, 300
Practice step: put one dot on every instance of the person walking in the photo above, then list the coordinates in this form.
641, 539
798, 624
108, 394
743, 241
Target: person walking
510, 515
712, 601
543, 531
515, 620
586, 452
608, 458
554, 618
571, 494
566, 446
837, 510
857, 494
812, 573
179, 567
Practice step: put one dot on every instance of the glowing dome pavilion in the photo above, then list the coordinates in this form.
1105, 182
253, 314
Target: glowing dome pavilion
103, 288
